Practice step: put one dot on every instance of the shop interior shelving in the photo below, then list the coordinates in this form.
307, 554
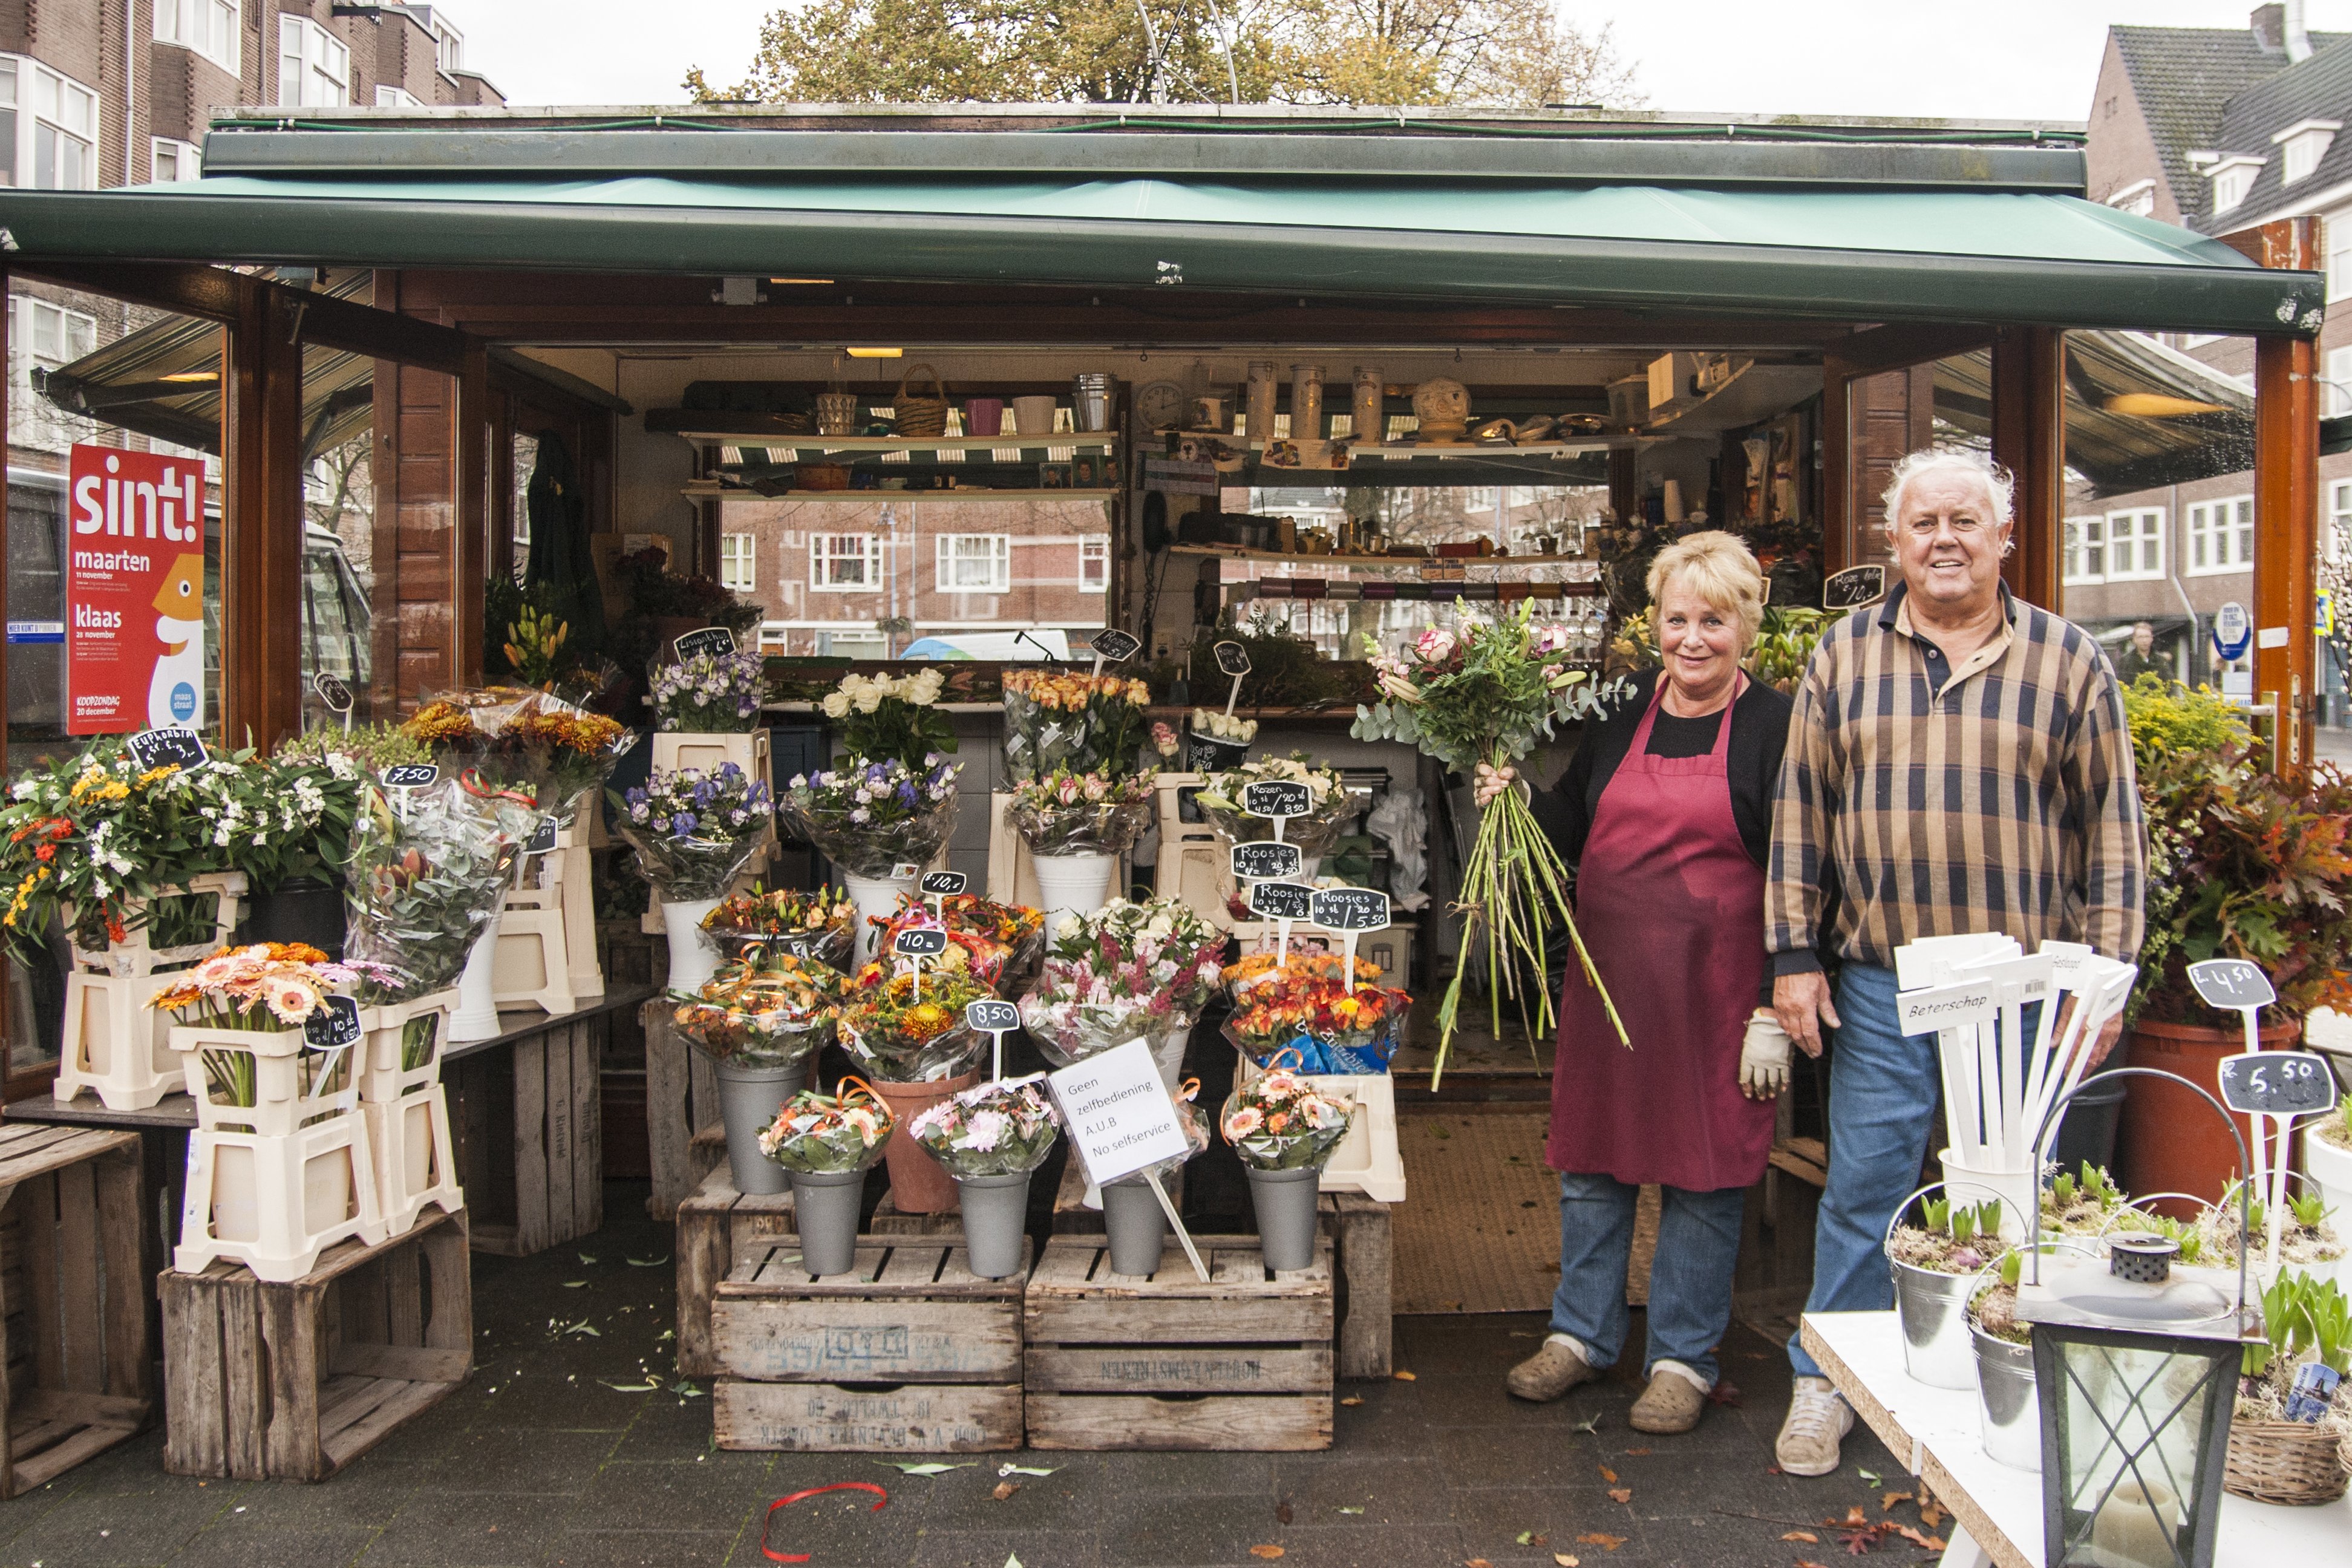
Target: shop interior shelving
721, 445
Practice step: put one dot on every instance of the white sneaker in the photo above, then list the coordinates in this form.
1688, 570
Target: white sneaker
1818, 1418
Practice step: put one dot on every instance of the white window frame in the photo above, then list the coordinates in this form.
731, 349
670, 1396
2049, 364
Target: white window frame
2234, 181
320, 62
2085, 549
738, 562
2218, 537
957, 553
45, 336
396, 98
2138, 531
863, 643
824, 554
448, 47
2339, 260
2138, 198
2336, 384
2302, 145
2340, 517
185, 158
41, 99
213, 29
1094, 565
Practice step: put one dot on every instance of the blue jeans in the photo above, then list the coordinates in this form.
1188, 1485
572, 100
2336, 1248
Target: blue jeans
1690, 1281
1883, 1091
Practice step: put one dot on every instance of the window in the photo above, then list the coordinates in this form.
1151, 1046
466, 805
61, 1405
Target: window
314, 68
2232, 179
48, 128
2303, 145
208, 27
2339, 260
175, 161
2340, 535
735, 573
2087, 550
1094, 566
397, 98
975, 563
2336, 382
844, 562
2135, 544
448, 47
2220, 536
852, 645
2138, 199
45, 338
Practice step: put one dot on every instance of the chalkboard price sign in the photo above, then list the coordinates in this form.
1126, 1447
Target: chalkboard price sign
991, 1016
919, 943
1282, 900
1232, 658
2231, 983
332, 692
335, 1021
945, 883
1854, 587
1261, 862
167, 748
411, 775
1351, 908
1115, 647
543, 840
2279, 1083
717, 641
1277, 797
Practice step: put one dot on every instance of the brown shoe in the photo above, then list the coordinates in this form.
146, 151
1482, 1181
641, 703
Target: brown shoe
1551, 1372
1671, 1404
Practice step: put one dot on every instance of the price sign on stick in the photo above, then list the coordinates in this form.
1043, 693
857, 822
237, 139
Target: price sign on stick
1115, 647
1265, 862
1282, 902
1351, 911
335, 694
1121, 1119
411, 775
917, 946
2225, 983
153, 749
543, 840
996, 1019
335, 1021
2277, 1083
1277, 799
2231, 983
1233, 660
941, 885
717, 641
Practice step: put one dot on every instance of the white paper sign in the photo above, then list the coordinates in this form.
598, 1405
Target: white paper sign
1117, 1112
1948, 1007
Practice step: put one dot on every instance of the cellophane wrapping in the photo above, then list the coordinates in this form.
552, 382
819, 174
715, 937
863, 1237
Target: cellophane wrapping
1128, 971
694, 831
817, 1134
998, 944
1281, 1121
766, 1013
430, 868
902, 1037
819, 925
869, 818
990, 1130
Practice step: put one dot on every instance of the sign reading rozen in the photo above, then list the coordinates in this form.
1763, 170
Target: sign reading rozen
1113, 646
135, 591
1232, 658
1277, 797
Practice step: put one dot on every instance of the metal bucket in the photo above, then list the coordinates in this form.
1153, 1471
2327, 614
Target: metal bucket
1090, 400
1934, 1311
2007, 1402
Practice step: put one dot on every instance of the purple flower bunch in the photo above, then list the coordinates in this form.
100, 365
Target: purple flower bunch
724, 802
709, 693
871, 814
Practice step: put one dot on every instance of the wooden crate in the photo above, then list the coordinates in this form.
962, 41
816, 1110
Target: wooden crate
799, 1355
717, 1226
527, 1121
293, 1382
73, 1315
681, 1095
1162, 1361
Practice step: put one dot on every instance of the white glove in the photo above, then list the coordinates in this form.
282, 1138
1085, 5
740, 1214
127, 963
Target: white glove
1763, 1056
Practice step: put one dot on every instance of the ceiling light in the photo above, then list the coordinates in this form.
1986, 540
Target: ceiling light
194, 375
2156, 406
800, 280
876, 354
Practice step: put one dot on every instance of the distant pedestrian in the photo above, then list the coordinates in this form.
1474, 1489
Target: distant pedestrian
1958, 763
2138, 657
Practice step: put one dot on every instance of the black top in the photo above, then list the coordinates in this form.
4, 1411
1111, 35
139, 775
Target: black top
1759, 732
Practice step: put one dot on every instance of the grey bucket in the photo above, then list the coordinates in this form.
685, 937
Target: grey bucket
1933, 1310
2007, 1402
1137, 1228
995, 1214
826, 1206
749, 1099
1286, 1204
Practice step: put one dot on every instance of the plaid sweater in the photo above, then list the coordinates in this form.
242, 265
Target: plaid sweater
1996, 794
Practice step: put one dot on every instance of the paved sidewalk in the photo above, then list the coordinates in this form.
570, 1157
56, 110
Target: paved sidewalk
538, 1461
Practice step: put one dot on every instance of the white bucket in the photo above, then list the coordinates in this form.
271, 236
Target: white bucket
477, 1017
1071, 885
2018, 1190
876, 898
693, 956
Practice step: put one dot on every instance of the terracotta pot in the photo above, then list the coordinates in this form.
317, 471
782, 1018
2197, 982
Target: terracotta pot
2170, 1141
918, 1184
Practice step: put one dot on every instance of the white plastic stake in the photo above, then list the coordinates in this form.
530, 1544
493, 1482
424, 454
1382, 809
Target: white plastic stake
1234, 696
1183, 1235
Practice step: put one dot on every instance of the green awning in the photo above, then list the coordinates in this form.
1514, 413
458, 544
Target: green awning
1878, 255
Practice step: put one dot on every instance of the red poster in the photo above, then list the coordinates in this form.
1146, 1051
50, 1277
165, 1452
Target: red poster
135, 592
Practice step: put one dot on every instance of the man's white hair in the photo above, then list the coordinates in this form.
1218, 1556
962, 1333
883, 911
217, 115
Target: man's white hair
1999, 485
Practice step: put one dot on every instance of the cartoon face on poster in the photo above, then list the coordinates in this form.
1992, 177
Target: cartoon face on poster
135, 592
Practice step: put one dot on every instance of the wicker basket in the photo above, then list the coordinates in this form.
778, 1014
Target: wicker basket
924, 417
2289, 1462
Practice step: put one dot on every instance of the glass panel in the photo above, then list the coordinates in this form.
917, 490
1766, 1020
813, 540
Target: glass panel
339, 536
2132, 1428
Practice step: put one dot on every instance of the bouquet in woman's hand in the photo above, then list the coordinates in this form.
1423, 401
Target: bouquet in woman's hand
709, 694
819, 924
1332, 1027
1485, 697
1282, 1121
1329, 804
694, 831
763, 1012
1128, 971
907, 1034
995, 943
817, 1134
430, 871
1066, 722
869, 816
990, 1130
1063, 813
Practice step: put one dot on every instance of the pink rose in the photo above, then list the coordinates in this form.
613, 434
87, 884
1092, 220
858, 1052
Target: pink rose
1435, 645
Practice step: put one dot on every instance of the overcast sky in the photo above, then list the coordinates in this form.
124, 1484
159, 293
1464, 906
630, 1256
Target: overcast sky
1986, 60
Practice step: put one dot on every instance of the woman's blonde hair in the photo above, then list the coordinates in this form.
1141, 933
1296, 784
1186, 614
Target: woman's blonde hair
1718, 568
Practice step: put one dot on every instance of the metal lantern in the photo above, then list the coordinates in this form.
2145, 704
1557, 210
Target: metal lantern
2137, 1372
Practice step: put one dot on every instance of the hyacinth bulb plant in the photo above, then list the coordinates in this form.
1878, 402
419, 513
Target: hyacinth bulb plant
1479, 700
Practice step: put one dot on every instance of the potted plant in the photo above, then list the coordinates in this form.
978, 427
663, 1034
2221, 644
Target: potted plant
2294, 1404
2241, 864
2007, 1401
2328, 1158
1284, 1127
1126, 972
828, 1142
2308, 1243
909, 1033
694, 832
1936, 1264
990, 1139
759, 1019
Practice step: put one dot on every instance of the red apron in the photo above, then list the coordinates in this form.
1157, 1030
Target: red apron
1672, 911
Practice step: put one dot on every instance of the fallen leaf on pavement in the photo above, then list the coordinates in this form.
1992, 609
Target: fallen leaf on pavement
1620, 1494
1802, 1563
1891, 1498
1635, 1453
1353, 1399
1013, 1559
1802, 1535
923, 1466
1404, 1377
1009, 1469
629, 1387
1854, 1517
1858, 1542
1565, 1560
649, 1262
575, 1284
1771, 1470
1282, 1513
1932, 1542
1606, 1542
585, 1259
1269, 1553
1351, 1510
1005, 1489
1868, 1478
1931, 1514
1606, 1473
1590, 1425
1477, 1562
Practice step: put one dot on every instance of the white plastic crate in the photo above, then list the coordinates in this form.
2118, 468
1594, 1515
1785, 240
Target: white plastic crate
415, 1163
115, 1046
1367, 1160
274, 1203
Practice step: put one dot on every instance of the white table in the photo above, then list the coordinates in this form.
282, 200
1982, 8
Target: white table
1935, 1433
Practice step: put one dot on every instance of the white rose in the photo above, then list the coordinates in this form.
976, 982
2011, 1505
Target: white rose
836, 706
867, 700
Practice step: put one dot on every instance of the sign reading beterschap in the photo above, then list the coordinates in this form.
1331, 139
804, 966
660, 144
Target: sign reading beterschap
135, 592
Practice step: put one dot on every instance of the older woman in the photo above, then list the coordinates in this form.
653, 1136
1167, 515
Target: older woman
1669, 813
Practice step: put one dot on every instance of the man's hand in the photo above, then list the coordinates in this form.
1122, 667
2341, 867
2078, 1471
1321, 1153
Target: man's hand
1763, 1056
2099, 1049
1801, 1003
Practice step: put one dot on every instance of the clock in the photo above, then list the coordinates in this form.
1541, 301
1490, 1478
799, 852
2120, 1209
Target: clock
1160, 405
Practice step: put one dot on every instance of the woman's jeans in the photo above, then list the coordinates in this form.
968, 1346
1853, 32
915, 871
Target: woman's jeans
1690, 1281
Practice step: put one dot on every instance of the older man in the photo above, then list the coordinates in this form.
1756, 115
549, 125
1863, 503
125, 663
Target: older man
1958, 762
